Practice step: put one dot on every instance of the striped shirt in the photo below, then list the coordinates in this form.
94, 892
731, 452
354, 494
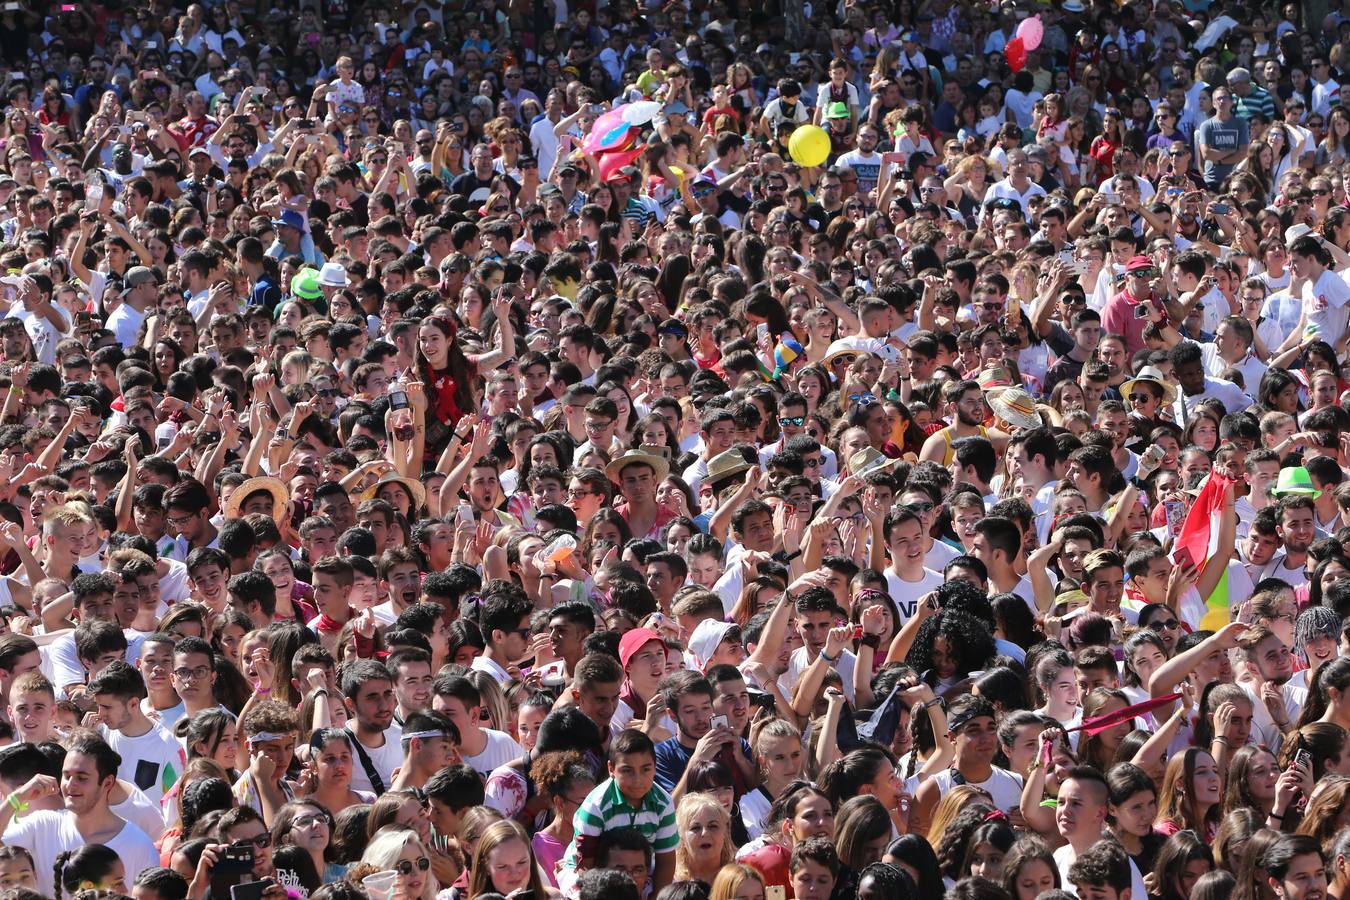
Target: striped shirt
605, 808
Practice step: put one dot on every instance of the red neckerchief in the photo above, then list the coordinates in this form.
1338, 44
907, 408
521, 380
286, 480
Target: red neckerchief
327, 625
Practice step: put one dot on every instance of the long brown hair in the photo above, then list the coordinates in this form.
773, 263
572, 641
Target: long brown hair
498, 833
1176, 800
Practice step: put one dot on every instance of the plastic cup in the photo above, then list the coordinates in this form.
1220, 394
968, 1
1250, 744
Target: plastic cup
380, 886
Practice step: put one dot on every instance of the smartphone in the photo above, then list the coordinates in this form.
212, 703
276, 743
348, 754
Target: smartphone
250, 890
1141, 311
764, 701
465, 514
124, 130
259, 92
68, 7
720, 722
1182, 556
1174, 510
761, 332
304, 124
398, 400
1222, 209
1303, 758
775, 892
233, 867
1155, 454
93, 194
596, 109
164, 442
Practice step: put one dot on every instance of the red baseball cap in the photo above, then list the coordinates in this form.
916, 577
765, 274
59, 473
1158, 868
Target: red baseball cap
633, 641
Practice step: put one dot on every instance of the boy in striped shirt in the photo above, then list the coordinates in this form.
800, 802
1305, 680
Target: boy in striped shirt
629, 797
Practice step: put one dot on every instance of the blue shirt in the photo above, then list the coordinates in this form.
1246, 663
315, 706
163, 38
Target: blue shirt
672, 758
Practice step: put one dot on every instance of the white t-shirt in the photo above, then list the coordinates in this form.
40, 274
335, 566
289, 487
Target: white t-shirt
1003, 786
125, 322
500, 749
385, 759
801, 660
1064, 858
65, 661
141, 811
623, 714
906, 594
1325, 304
152, 762
47, 833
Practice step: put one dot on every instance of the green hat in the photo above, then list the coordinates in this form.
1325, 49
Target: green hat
837, 110
305, 285
1295, 480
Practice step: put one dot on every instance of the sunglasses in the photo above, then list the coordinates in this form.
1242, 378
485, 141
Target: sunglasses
1165, 623
791, 421
921, 506
404, 867
844, 359
1140, 398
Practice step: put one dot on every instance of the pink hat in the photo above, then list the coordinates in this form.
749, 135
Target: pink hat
634, 640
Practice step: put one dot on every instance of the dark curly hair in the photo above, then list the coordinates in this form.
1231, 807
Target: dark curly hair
969, 640
955, 840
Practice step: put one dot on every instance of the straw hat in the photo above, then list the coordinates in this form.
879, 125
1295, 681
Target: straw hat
724, 465
1150, 375
415, 490
263, 483
1016, 407
646, 455
869, 459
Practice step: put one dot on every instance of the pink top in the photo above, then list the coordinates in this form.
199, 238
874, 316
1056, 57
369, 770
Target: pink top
548, 852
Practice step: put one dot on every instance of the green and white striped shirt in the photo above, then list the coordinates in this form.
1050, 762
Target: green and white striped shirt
605, 808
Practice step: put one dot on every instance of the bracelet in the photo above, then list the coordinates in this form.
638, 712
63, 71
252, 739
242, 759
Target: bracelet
318, 692
1279, 818
827, 658
459, 437
262, 692
19, 806
871, 640
1221, 740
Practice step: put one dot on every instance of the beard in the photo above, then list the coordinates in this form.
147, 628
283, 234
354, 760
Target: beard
965, 419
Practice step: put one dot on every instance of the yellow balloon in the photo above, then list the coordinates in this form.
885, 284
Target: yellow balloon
679, 174
809, 145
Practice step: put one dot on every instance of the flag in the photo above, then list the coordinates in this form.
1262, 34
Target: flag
1098, 724
1198, 536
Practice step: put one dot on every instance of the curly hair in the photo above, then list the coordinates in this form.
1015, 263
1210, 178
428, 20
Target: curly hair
968, 638
955, 840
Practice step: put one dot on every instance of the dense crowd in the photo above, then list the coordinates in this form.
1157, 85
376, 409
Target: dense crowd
694, 450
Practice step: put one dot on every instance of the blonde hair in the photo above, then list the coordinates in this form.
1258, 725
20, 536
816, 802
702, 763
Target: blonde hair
730, 878
387, 846
690, 806
497, 834
951, 804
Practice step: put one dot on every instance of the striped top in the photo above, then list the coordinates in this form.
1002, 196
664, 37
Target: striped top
605, 808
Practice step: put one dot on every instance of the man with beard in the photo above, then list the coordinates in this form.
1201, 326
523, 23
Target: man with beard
83, 816
371, 702
1296, 528
967, 404
1188, 366
1267, 666
865, 161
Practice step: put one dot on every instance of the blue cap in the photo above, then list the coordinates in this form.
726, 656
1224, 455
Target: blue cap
910, 36
292, 218
676, 107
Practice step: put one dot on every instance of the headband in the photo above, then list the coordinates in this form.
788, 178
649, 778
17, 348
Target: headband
263, 737
437, 733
